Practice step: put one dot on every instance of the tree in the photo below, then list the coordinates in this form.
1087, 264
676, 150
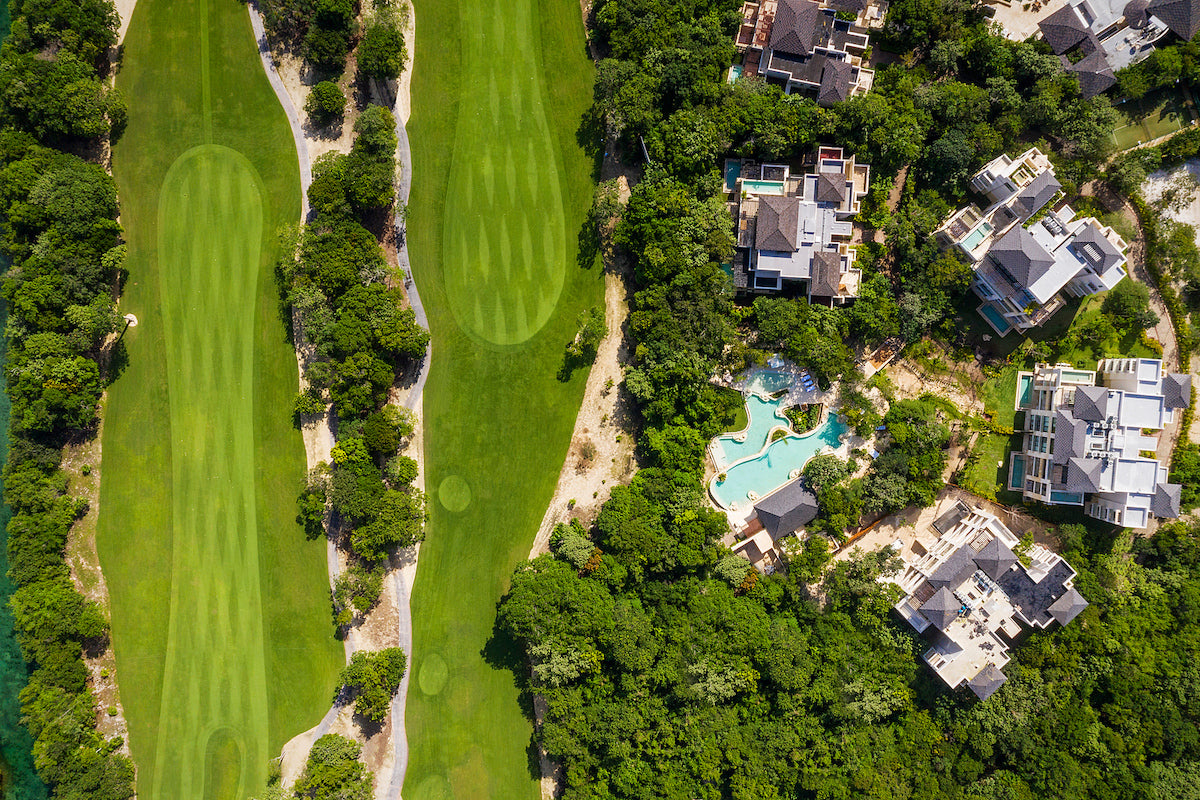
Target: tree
1128, 303
825, 470
398, 520
333, 771
325, 103
373, 678
381, 52
371, 164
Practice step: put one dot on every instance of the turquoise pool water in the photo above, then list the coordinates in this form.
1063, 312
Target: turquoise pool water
1024, 391
735, 72
762, 415
733, 171
768, 382
772, 469
1066, 497
976, 236
996, 318
763, 187
1016, 478
1077, 377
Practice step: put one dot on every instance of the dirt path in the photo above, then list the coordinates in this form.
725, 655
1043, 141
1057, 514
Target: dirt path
389, 624
601, 454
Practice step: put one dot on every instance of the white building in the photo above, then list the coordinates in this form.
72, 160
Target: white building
1096, 446
808, 47
969, 595
798, 228
1025, 254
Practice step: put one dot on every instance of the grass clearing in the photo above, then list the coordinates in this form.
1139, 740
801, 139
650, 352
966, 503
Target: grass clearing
987, 474
1157, 114
220, 612
500, 191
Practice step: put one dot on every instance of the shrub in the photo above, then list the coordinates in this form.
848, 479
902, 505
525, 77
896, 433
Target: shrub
373, 679
381, 51
325, 103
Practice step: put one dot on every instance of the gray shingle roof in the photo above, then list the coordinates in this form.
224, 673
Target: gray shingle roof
1062, 30
831, 187
941, 609
1165, 502
1035, 195
1135, 13
1095, 249
1070, 437
987, 681
955, 569
1019, 253
1067, 607
1083, 474
1177, 390
795, 27
1181, 16
995, 558
1091, 403
787, 510
826, 274
835, 82
778, 223
1094, 74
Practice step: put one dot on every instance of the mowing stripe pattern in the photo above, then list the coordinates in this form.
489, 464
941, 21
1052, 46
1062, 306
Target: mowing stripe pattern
220, 608
209, 277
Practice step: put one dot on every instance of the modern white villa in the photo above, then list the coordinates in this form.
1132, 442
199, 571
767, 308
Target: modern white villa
808, 47
969, 595
797, 228
1025, 253
1095, 445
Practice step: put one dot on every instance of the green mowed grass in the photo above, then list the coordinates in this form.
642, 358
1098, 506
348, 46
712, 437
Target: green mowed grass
220, 612
500, 190
1157, 114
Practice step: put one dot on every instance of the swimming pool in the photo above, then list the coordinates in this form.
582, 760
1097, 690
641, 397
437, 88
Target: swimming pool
997, 319
976, 236
1075, 376
1072, 498
773, 468
763, 187
735, 72
1025, 391
1016, 478
762, 415
733, 171
767, 382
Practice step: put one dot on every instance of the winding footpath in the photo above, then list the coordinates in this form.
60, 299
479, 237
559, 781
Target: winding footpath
400, 580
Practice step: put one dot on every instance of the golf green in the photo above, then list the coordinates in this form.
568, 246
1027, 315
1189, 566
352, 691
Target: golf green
220, 617
501, 189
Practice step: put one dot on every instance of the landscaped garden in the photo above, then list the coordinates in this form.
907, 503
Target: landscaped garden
502, 190
220, 611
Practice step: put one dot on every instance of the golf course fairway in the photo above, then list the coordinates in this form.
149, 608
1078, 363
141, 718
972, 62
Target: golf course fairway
500, 192
220, 608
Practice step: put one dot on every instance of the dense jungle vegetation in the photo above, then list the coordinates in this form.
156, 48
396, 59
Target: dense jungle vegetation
60, 231
670, 669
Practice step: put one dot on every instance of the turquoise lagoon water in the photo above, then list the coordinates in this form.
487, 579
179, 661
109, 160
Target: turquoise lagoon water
772, 469
763, 415
768, 382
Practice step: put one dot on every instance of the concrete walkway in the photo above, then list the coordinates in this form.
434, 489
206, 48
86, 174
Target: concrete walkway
400, 579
